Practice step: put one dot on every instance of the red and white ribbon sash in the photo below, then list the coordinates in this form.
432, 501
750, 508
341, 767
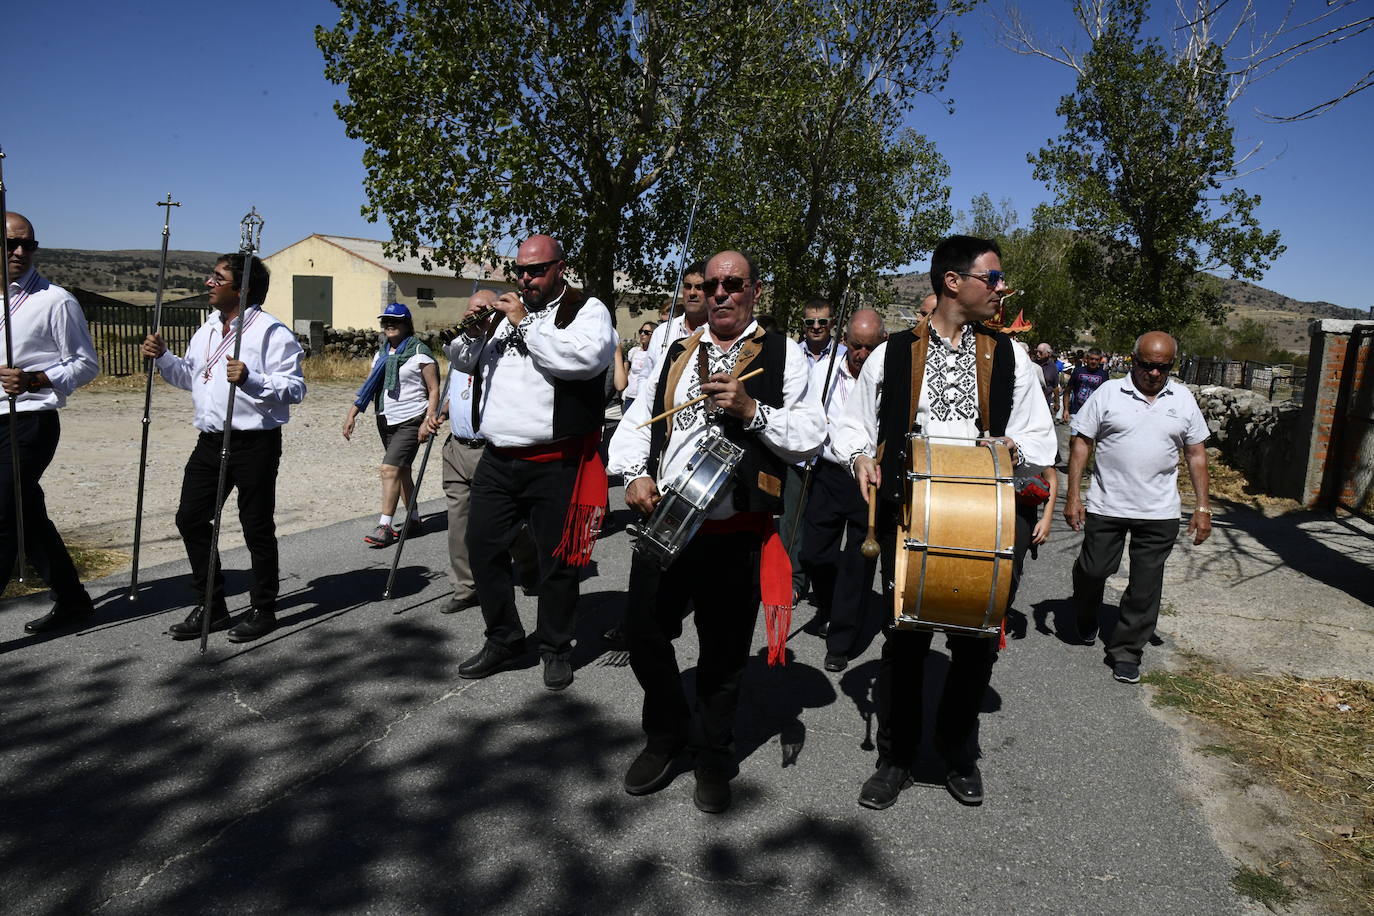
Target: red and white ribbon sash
224, 345
28, 289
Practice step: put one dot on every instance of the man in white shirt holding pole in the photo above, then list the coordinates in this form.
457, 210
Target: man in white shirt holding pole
266, 380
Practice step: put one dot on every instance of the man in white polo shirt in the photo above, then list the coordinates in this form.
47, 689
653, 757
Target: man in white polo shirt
1137, 425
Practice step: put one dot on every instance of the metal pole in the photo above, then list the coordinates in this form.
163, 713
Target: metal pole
250, 234
13, 399
148, 393
681, 264
424, 460
415, 490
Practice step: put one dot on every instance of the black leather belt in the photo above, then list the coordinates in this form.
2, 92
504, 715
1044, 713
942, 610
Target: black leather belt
471, 443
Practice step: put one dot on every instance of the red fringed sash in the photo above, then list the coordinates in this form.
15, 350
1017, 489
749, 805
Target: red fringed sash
587, 509
775, 576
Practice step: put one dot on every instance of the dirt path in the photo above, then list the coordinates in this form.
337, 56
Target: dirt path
91, 485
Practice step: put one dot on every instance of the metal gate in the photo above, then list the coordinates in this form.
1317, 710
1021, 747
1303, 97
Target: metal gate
118, 328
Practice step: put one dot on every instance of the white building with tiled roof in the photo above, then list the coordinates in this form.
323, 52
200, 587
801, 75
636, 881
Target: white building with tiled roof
346, 282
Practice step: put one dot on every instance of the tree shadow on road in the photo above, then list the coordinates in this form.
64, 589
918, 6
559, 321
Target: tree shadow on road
331, 778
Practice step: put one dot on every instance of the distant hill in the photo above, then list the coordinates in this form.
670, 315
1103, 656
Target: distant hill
1286, 318
120, 273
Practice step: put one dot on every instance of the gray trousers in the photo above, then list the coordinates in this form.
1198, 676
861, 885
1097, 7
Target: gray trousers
460, 463
1104, 538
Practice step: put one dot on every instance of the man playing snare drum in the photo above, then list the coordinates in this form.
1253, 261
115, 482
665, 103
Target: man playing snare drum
970, 381
775, 417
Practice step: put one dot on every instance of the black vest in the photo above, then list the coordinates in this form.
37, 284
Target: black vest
761, 474
579, 405
906, 350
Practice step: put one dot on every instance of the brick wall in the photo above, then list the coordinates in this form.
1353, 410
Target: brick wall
1338, 420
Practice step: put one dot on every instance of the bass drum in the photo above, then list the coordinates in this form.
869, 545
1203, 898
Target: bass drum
956, 540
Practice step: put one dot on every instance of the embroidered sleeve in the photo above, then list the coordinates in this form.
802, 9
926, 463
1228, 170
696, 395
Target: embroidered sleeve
762, 412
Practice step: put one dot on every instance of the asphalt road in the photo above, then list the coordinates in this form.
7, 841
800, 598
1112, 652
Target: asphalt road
341, 765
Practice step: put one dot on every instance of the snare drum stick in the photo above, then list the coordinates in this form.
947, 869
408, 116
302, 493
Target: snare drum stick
696, 400
869, 548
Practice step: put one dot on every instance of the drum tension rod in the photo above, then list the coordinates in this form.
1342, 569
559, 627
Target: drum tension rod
913, 544
917, 475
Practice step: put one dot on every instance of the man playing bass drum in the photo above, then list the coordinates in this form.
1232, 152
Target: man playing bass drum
966, 380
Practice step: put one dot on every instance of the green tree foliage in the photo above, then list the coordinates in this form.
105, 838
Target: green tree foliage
830, 192
492, 120
1138, 173
595, 121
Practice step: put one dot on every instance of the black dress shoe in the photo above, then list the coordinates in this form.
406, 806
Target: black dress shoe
454, 605
614, 638
712, 795
190, 627
61, 617
824, 629
256, 624
882, 788
650, 772
490, 659
558, 672
836, 661
965, 784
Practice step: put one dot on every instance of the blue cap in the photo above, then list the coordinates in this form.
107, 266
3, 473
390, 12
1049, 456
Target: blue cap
395, 310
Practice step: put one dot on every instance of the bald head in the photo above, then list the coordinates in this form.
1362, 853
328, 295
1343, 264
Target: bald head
928, 304
484, 297
17, 220
539, 248
1155, 346
864, 333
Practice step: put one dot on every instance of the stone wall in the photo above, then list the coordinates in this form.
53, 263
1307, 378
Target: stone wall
360, 344
1256, 436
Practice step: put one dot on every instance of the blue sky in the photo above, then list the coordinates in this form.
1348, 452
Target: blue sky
119, 104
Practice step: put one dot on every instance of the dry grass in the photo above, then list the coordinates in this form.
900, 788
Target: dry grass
91, 563
1314, 739
1228, 484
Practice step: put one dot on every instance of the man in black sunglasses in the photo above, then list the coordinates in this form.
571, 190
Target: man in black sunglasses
817, 332
951, 378
1137, 425
775, 419
538, 395
53, 356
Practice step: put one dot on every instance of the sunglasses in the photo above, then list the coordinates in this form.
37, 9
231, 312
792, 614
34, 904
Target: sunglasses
731, 285
816, 322
646, 333
1143, 366
27, 244
992, 278
534, 270
691, 286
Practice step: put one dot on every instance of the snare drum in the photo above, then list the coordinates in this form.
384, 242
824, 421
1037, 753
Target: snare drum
688, 499
955, 545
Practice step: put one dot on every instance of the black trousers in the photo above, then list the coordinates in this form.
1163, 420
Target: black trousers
719, 574
254, 457
901, 674
505, 492
837, 515
1104, 537
37, 434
